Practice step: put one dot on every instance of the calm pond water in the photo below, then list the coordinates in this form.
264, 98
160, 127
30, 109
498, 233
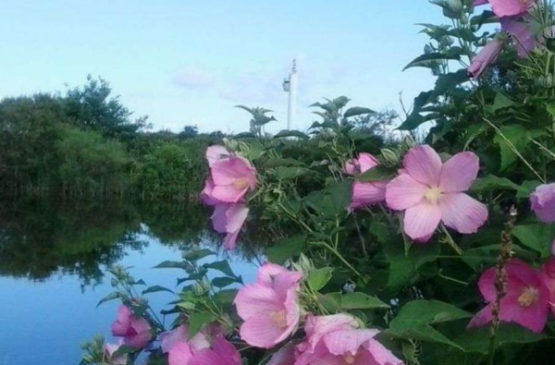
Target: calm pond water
53, 259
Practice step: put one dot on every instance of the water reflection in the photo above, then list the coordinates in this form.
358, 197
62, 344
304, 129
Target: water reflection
43, 237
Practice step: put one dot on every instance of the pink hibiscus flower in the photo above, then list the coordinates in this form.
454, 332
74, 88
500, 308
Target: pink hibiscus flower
228, 219
337, 340
526, 302
110, 350
504, 8
136, 332
269, 308
486, 57
216, 153
543, 203
180, 347
232, 178
220, 353
365, 193
431, 192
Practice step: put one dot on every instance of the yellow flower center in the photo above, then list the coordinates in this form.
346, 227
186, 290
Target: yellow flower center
279, 319
528, 297
349, 359
433, 195
241, 183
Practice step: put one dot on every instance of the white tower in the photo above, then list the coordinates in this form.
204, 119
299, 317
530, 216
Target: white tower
290, 86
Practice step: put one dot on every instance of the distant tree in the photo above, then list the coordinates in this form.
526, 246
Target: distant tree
92, 106
190, 131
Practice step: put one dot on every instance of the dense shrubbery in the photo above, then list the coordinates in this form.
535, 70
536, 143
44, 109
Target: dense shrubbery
437, 253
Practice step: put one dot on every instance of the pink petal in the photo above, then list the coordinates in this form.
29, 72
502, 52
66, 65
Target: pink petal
462, 213
257, 300
262, 331
317, 327
169, 339
123, 321
423, 164
421, 221
230, 240
368, 193
534, 318
283, 283
219, 218
381, 355
268, 271
348, 341
487, 284
285, 356
366, 162
216, 153
228, 193
503, 8
481, 318
351, 167
404, 192
543, 203
180, 354
236, 216
458, 174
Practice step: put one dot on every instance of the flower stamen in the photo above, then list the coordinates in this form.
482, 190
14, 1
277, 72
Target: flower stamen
529, 297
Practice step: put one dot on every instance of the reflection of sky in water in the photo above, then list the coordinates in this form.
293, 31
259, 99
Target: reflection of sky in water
46, 322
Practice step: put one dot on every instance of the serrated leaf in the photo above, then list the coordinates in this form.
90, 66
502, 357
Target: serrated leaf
297, 134
198, 320
491, 182
318, 278
501, 102
156, 289
287, 249
109, 297
351, 301
356, 111
222, 266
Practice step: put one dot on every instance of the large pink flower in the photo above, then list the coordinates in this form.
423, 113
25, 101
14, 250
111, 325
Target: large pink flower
430, 192
180, 347
136, 332
232, 178
110, 350
543, 203
504, 8
526, 302
228, 219
487, 56
365, 193
216, 153
269, 307
220, 353
337, 340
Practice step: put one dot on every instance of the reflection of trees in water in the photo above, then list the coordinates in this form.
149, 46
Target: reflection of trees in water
42, 237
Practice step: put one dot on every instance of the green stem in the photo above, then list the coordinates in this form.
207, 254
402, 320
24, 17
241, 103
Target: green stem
451, 242
340, 257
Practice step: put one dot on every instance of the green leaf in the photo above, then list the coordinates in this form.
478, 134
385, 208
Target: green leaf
378, 173
222, 266
491, 182
426, 59
245, 135
416, 318
286, 172
538, 237
124, 350
222, 282
171, 265
501, 101
352, 301
226, 296
287, 249
318, 278
198, 320
356, 111
156, 289
513, 137
330, 301
449, 81
196, 255
477, 340
109, 297
527, 188
286, 133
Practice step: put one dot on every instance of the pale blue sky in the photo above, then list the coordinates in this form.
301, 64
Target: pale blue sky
189, 62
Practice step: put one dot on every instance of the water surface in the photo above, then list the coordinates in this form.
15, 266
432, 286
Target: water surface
53, 261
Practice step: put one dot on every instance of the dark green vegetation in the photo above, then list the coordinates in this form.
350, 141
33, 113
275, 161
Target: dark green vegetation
86, 143
40, 237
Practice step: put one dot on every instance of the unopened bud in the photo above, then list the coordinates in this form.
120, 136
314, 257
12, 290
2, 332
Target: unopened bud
409, 141
390, 157
456, 6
